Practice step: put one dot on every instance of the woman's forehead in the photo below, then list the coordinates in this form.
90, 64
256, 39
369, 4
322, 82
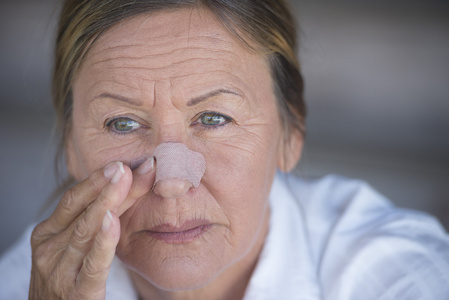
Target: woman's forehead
166, 32
189, 48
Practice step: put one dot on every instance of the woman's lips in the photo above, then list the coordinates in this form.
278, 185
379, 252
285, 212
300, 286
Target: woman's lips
186, 233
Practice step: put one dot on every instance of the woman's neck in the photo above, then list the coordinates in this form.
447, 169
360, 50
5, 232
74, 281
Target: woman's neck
231, 284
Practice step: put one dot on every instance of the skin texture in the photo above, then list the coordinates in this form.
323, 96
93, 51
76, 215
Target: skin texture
164, 71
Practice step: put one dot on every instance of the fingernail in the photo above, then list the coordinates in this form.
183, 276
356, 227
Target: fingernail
146, 167
110, 169
118, 173
106, 221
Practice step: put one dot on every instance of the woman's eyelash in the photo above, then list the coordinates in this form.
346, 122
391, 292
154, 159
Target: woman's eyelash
122, 125
212, 120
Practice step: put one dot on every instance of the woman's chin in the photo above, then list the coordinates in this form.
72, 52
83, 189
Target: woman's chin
176, 274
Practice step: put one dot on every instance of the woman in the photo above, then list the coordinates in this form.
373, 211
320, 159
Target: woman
175, 117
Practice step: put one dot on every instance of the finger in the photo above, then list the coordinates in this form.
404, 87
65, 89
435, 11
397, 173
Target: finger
76, 199
143, 180
91, 280
87, 226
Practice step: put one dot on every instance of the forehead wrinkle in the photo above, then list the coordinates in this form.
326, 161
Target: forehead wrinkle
205, 42
114, 83
130, 55
161, 35
115, 48
226, 55
171, 70
171, 73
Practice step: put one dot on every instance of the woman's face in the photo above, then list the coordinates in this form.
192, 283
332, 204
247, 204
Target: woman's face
180, 76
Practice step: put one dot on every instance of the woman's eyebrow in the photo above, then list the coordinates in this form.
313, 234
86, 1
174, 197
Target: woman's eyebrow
135, 102
197, 100
191, 102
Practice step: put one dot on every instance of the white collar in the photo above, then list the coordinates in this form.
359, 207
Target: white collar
285, 269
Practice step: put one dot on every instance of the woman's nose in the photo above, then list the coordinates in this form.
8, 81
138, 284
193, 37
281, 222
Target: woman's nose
172, 188
177, 169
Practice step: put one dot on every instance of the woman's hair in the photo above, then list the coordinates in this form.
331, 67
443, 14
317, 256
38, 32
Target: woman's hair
267, 24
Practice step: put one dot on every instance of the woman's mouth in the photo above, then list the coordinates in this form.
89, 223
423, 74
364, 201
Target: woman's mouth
187, 232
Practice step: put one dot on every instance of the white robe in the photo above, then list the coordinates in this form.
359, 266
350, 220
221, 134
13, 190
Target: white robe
329, 239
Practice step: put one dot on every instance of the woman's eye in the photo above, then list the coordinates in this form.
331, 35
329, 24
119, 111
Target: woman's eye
213, 119
123, 125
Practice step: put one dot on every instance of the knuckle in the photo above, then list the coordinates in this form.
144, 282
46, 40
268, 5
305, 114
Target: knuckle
92, 268
40, 257
67, 199
41, 233
45, 255
80, 234
40, 264
37, 236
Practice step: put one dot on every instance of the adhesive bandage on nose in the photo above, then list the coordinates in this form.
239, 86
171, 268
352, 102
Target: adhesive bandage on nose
176, 161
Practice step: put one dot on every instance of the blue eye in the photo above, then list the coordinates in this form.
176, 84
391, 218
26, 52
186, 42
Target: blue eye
123, 125
213, 119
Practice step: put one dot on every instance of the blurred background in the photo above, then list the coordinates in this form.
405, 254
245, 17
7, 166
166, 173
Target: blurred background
377, 89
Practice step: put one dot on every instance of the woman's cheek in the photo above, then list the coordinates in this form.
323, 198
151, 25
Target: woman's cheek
99, 151
237, 147
231, 163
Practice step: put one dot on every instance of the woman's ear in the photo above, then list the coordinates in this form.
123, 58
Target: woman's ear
291, 150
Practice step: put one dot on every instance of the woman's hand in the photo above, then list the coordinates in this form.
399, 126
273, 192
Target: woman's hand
73, 249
